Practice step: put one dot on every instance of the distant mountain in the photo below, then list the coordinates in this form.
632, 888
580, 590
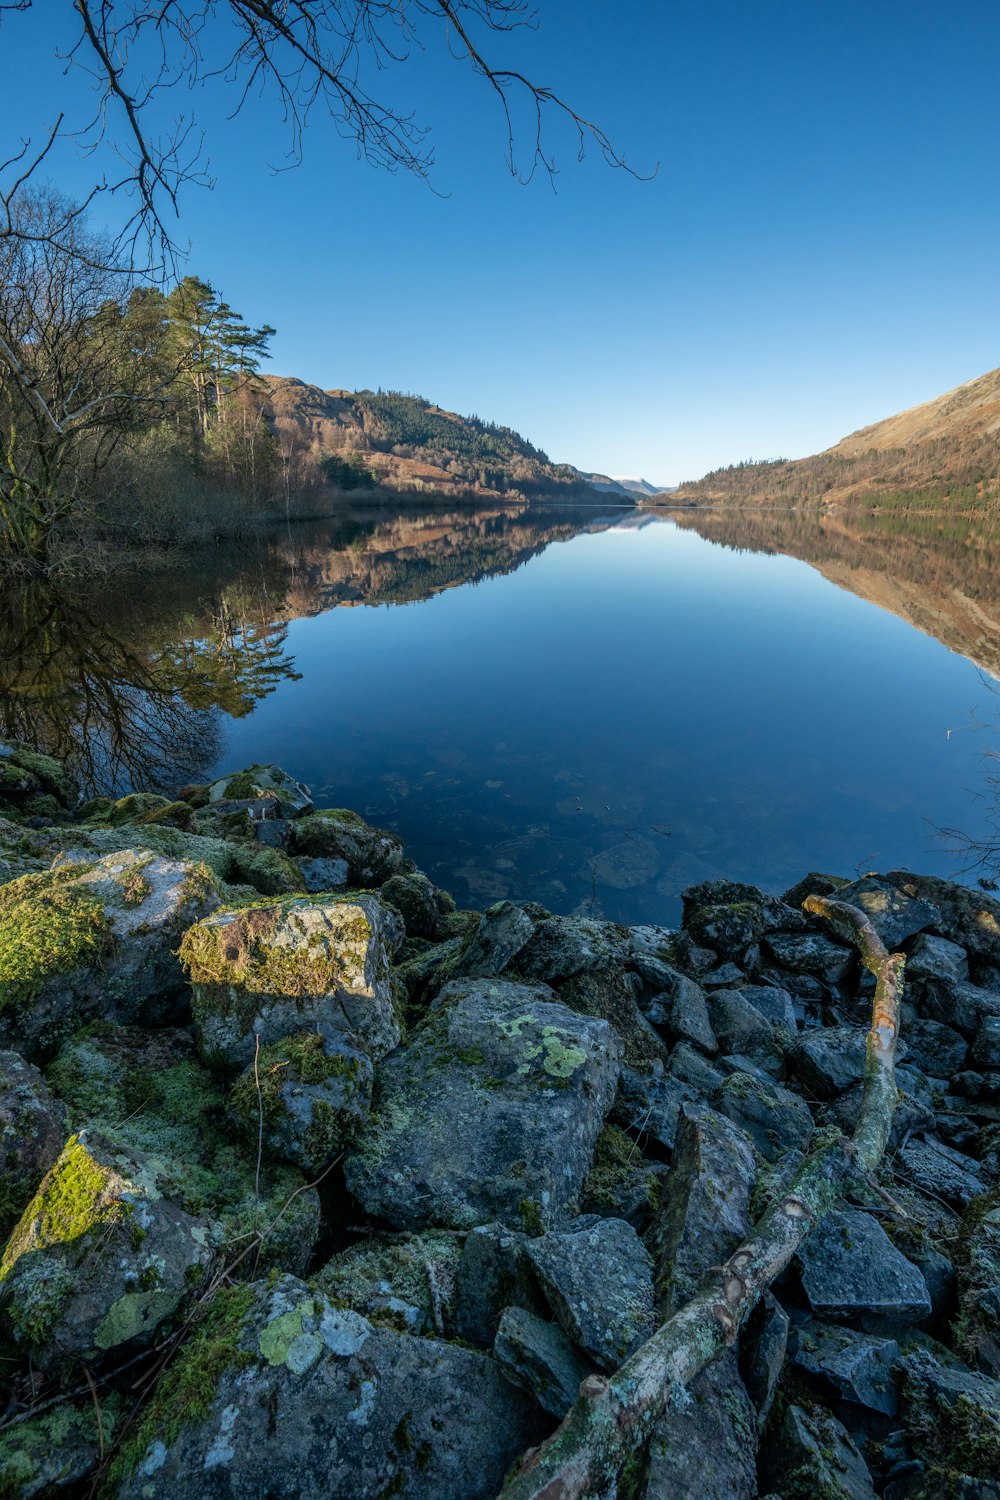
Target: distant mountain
408, 444
608, 484
941, 455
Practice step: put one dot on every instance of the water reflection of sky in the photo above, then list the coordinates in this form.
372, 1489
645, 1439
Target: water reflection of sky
629, 712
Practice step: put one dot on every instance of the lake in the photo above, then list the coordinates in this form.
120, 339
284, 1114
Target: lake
588, 707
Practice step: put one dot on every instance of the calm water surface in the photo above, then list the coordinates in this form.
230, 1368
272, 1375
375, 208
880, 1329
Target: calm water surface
631, 708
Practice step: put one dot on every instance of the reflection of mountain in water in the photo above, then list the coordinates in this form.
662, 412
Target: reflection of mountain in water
938, 572
126, 681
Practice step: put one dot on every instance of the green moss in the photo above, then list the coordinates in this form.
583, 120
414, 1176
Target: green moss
267, 870
76, 1196
52, 1448
616, 1167
531, 1216
300, 1059
46, 771
233, 962
243, 787
185, 1392
101, 812
173, 815
47, 927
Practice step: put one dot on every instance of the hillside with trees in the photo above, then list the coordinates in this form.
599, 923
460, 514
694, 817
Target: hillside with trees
941, 455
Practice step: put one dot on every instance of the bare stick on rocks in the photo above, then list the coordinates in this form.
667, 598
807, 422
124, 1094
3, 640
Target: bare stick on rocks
613, 1417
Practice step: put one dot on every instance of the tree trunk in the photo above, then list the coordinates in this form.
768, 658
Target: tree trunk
612, 1417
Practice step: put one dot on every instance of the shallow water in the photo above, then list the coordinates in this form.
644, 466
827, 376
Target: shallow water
624, 707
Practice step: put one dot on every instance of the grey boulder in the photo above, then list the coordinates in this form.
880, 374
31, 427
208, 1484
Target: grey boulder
851, 1269
538, 1356
491, 1111
597, 1277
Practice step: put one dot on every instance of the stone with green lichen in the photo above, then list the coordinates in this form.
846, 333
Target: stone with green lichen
151, 1096
352, 1408
262, 781
537, 1355
490, 1111
621, 1183
102, 812
408, 1284
57, 1449
309, 1095
952, 1414
235, 861
978, 1327
368, 856
95, 937
98, 1259
25, 772
33, 1128
774, 1119
422, 905
272, 969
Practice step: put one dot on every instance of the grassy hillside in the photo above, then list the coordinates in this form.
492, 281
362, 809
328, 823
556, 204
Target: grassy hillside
942, 455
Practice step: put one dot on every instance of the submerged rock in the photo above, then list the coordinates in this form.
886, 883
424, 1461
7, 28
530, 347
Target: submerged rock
490, 1111
298, 964
352, 1409
95, 937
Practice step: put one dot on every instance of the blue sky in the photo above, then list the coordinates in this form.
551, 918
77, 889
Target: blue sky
819, 247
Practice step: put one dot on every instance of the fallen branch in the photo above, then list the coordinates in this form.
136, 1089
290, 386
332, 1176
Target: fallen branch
613, 1416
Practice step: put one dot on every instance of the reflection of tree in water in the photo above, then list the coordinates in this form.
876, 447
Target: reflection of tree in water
128, 693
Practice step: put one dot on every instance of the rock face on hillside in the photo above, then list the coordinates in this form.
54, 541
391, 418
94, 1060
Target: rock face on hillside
388, 1180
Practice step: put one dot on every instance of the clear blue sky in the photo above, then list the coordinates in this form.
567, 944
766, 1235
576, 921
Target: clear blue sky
820, 247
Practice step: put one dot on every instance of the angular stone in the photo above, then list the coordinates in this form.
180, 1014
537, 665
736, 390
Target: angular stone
763, 1344
56, 1450
939, 1050
423, 907
774, 1004
986, 1044
538, 1356
932, 957
811, 1453
372, 855
705, 1448
773, 1118
812, 953
851, 1268
813, 884
563, 947
33, 1128
853, 1366
351, 1409
492, 1274
706, 1204
307, 1096
409, 1284
950, 1412
322, 875
651, 951
934, 1168
894, 915
597, 1277
964, 1006
503, 931
741, 1027
98, 1259
490, 1111
968, 916
829, 1059
682, 1010
95, 938
726, 976
649, 1102
693, 1069
299, 964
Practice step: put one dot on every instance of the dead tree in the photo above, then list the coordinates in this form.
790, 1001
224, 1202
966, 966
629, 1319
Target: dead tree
613, 1417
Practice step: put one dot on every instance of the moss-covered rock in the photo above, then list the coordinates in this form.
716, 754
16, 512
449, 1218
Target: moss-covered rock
32, 1131
95, 936
150, 1096
26, 776
407, 1284
368, 856
292, 796
98, 1258
308, 1094
103, 812
57, 1449
271, 970
423, 907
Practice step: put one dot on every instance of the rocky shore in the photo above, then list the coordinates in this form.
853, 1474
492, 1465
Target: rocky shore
312, 1185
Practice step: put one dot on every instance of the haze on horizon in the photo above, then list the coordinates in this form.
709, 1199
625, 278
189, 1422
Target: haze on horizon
817, 250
